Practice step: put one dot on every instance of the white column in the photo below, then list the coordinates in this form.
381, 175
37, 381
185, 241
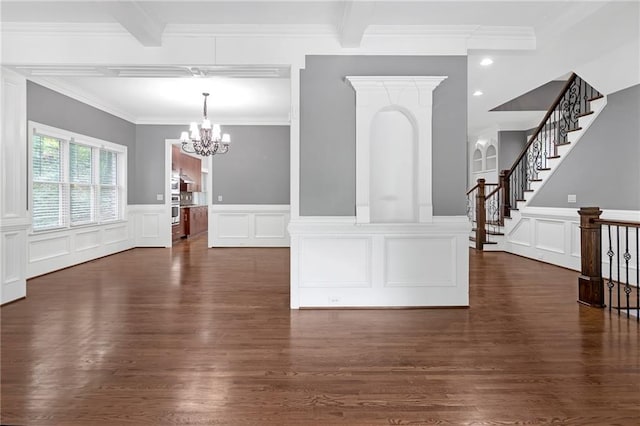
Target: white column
14, 221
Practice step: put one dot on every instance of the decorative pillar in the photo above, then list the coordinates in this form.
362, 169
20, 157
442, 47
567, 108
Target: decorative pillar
590, 285
481, 215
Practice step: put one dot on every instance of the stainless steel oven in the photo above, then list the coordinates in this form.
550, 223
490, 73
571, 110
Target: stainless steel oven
175, 208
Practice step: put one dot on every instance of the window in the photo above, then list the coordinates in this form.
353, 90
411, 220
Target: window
76, 180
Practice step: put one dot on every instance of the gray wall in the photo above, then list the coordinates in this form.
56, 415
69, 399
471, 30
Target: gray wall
150, 150
602, 169
256, 168
327, 130
510, 145
54, 109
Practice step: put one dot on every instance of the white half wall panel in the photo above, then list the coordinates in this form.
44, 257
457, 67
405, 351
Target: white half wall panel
251, 225
151, 225
14, 221
53, 250
338, 263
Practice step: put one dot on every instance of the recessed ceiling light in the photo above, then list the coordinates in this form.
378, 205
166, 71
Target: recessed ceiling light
486, 62
477, 93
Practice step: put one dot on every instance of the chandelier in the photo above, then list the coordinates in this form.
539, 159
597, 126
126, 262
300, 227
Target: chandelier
206, 140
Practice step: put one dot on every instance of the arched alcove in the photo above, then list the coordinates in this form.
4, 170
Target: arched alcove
490, 158
477, 160
389, 109
392, 183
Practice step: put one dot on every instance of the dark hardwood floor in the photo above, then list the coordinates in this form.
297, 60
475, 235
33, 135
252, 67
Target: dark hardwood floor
205, 336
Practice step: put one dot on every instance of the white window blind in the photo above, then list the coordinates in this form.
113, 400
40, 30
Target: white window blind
109, 192
48, 183
75, 180
82, 192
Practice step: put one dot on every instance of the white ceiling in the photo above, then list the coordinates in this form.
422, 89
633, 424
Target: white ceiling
265, 96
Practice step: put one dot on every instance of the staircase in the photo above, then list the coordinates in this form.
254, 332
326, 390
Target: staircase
494, 208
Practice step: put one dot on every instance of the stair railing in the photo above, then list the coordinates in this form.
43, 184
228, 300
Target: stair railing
561, 119
480, 212
620, 242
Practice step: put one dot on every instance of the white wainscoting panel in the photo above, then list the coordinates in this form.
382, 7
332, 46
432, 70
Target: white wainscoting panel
53, 250
556, 235
14, 260
150, 225
338, 263
420, 262
251, 225
335, 262
550, 235
521, 233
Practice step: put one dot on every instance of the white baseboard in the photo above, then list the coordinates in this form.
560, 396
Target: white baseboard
337, 263
254, 225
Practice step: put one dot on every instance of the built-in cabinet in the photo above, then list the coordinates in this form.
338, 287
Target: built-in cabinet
195, 220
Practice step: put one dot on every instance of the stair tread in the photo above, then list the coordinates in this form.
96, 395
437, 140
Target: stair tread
563, 143
552, 157
584, 114
572, 130
595, 98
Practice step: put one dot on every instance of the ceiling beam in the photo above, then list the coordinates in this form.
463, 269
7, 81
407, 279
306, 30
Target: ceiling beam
132, 15
355, 20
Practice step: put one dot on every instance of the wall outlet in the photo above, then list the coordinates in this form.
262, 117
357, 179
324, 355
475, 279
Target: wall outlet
334, 300
159, 197
219, 197
571, 198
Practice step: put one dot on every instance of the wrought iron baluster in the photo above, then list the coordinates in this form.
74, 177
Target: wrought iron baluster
618, 263
610, 253
627, 257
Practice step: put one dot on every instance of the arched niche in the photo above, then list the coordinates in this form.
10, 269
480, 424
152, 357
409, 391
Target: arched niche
392, 172
408, 96
477, 160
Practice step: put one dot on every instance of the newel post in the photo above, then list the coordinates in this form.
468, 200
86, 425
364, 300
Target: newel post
590, 285
505, 200
481, 216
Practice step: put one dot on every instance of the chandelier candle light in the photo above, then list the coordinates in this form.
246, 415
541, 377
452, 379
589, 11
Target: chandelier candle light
207, 140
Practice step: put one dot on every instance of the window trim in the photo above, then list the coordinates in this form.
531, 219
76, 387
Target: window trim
68, 137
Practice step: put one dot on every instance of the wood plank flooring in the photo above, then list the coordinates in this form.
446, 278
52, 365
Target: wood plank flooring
203, 336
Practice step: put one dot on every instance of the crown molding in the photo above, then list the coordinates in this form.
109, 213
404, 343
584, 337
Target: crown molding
250, 30
57, 28
478, 36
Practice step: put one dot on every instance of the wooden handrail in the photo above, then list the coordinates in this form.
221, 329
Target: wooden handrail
472, 189
493, 192
617, 223
544, 121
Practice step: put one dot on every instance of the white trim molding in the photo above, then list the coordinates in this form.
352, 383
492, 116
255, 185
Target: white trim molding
248, 225
336, 262
14, 220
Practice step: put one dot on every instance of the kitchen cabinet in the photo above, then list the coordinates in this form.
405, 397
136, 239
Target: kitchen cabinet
195, 219
191, 166
175, 159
